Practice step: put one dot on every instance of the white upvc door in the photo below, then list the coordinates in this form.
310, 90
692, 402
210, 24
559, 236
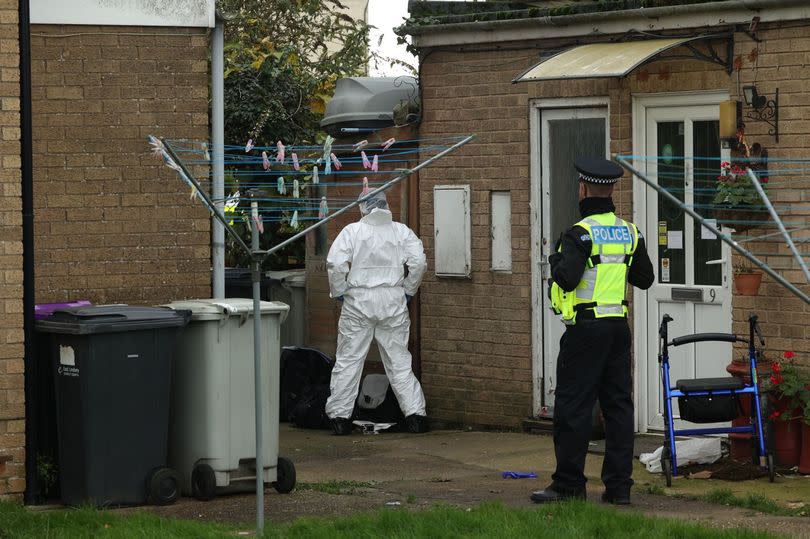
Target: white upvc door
693, 280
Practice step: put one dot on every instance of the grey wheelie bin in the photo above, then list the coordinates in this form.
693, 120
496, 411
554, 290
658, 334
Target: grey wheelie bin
111, 368
213, 443
289, 287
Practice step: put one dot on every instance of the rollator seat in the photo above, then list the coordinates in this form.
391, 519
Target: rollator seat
709, 384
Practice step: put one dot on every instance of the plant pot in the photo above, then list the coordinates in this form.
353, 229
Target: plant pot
787, 437
804, 459
747, 284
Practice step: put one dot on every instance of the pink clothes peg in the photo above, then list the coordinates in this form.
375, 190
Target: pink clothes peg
365, 187
388, 143
375, 164
335, 161
280, 154
366, 162
265, 161
296, 165
360, 145
257, 219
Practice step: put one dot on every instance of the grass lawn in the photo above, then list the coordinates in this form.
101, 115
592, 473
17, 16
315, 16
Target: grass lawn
573, 519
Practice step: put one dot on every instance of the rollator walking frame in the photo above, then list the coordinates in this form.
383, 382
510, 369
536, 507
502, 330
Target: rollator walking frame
711, 400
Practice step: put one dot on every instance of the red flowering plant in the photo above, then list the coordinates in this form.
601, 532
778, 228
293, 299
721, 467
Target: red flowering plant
787, 385
734, 187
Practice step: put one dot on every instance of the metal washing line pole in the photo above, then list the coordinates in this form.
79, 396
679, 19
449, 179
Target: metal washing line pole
257, 257
725, 237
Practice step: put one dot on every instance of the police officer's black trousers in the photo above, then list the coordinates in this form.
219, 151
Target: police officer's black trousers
594, 362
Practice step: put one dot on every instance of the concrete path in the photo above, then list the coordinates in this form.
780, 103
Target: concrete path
343, 475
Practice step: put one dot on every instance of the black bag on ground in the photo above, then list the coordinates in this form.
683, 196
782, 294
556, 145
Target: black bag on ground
304, 372
377, 402
309, 410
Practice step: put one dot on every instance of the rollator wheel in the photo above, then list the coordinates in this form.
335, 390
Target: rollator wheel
666, 465
771, 469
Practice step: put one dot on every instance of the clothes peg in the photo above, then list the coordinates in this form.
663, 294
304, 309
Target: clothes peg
360, 145
280, 152
282, 189
366, 162
265, 161
323, 209
249, 146
335, 161
327, 147
295, 189
375, 165
365, 187
387, 144
294, 221
296, 165
315, 174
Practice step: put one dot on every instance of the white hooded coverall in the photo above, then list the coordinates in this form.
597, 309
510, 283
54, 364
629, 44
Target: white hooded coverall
366, 266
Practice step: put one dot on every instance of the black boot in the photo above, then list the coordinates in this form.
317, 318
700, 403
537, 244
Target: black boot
551, 495
616, 498
341, 426
416, 423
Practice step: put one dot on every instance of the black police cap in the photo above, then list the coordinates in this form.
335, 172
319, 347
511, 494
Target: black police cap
598, 170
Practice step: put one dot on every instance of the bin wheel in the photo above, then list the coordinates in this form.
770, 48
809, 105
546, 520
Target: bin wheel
285, 476
163, 486
666, 466
771, 468
203, 482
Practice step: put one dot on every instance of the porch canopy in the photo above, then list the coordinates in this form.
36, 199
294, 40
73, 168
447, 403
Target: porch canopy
614, 59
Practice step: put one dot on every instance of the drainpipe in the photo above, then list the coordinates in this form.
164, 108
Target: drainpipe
218, 147
27, 180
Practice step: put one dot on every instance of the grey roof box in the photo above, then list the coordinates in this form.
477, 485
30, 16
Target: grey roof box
367, 102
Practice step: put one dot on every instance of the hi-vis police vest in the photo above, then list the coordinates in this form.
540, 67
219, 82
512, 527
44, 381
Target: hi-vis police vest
604, 283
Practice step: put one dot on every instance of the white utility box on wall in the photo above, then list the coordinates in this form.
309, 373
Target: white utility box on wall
451, 230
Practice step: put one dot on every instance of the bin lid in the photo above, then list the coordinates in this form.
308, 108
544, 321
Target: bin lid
218, 309
297, 277
44, 310
111, 318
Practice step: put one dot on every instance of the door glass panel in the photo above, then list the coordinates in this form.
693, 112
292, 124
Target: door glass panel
671, 219
568, 140
706, 147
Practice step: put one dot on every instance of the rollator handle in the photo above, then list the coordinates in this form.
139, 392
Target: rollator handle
753, 321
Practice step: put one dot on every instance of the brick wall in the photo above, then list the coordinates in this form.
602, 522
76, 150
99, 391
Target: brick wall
112, 223
12, 398
476, 346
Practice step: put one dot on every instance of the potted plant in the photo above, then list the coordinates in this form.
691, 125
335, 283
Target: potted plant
746, 279
786, 387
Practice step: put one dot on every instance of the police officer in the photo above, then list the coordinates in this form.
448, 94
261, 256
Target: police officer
595, 260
